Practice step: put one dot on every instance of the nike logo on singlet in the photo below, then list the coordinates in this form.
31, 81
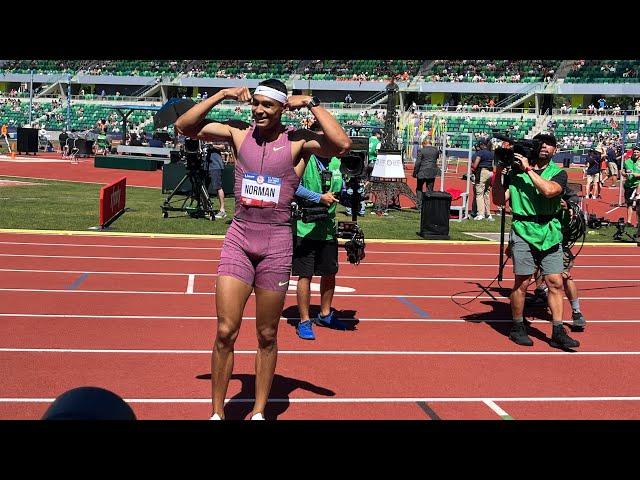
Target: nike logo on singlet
282, 284
278, 148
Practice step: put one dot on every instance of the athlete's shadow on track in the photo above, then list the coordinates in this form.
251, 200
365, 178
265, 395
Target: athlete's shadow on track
281, 388
348, 317
499, 318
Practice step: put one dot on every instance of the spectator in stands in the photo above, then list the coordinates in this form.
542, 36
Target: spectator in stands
592, 169
482, 168
216, 167
602, 104
425, 169
348, 100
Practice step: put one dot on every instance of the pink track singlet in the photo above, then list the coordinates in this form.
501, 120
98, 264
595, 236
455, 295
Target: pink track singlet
258, 246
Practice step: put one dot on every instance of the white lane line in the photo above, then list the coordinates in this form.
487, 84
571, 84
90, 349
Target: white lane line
501, 413
350, 400
356, 277
314, 352
363, 295
369, 251
93, 245
192, 279
147, 259
213, 317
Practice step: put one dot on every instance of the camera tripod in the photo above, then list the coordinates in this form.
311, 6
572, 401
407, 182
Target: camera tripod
199, 202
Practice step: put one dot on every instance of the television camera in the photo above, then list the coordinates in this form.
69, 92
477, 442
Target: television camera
197, 203
353, 168
621, 232
529, 148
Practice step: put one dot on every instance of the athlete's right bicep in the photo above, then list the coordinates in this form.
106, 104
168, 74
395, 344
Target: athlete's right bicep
215, 131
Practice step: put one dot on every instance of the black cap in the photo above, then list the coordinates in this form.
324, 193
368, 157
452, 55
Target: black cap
636, 147
546, 138
89, 403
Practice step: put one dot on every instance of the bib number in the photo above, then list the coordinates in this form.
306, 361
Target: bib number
260, 191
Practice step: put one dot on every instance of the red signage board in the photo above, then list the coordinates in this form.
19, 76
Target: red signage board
112, 201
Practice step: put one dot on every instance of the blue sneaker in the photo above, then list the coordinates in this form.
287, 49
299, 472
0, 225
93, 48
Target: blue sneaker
330, 321
305, 330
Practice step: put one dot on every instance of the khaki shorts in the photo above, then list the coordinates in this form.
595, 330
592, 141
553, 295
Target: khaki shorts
527, 258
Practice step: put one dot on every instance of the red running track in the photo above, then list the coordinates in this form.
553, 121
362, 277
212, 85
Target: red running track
64, 322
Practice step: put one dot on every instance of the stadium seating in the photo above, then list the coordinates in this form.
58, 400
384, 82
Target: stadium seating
605, 71
504, 71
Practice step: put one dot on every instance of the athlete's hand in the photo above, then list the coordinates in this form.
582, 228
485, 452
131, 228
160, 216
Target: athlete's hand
241, 94
327, 199
296, 102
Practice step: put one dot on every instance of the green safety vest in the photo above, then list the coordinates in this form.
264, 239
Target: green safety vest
527, 200
325, 229
634, 166
373, 148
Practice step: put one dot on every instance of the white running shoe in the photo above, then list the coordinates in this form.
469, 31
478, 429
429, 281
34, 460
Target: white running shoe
258, 416
479, 217
215, 416
490, 218
221, 214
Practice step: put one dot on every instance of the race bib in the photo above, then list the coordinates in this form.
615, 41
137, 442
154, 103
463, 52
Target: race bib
260, 190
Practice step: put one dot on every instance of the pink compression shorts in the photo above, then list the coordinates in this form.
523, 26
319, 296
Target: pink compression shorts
258, 254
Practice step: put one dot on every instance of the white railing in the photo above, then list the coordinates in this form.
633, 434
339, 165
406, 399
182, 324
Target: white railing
595, 113
113, 98
482, 111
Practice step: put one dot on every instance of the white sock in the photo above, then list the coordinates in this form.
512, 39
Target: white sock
258, 416
215, 416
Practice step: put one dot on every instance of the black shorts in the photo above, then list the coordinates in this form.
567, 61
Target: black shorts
627, 195
314, 257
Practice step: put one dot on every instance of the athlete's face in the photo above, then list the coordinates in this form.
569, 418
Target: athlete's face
266, 111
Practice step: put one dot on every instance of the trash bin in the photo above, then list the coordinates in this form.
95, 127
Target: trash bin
228, 179
434, 215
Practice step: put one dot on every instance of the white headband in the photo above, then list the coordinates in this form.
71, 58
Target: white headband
276, 95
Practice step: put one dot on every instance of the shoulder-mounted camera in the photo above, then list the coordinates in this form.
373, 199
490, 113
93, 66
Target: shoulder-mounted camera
504, 155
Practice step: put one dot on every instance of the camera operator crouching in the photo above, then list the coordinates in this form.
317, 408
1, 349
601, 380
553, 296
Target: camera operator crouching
533, 186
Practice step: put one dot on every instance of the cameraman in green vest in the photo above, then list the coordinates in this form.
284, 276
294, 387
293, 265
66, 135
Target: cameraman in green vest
534, 191
315, 249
